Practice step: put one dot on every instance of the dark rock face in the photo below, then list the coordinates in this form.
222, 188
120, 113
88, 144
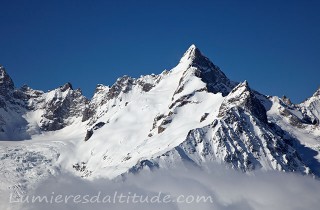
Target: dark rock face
87, 114
308, 120
123, 84
162, 125
147, 87
59, 109
181, 101
161, 129
256, 108
88, 135
6, 83
204, 117
98, 125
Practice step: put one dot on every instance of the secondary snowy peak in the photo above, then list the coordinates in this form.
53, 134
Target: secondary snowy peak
60, 107
243, 97
310, 109
25, 112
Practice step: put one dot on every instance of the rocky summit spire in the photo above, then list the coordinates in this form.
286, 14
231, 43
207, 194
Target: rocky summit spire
192, 53
194, 58
216, 80
6, 82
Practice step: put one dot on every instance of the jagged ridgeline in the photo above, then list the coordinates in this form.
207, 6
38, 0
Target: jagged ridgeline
191, 113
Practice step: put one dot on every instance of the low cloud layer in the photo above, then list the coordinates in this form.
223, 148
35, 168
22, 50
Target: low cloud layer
229, 190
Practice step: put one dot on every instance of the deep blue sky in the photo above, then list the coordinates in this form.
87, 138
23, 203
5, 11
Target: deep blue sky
275, 45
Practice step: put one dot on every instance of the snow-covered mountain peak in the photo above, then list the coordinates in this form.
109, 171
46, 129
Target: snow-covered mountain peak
242, 96
194, 64
236, 97
192, 47
192, 113
193, 57
190, 54
311, 109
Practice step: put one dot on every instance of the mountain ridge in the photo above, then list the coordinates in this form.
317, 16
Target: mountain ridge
192, 113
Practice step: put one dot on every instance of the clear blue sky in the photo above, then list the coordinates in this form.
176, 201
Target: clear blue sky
275, 45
